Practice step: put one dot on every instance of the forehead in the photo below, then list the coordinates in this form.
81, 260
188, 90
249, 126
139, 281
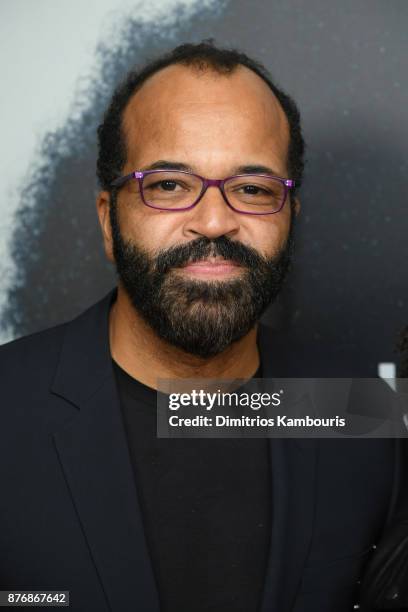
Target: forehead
181, 107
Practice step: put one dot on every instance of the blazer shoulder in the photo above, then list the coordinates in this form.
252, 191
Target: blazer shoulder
32, 353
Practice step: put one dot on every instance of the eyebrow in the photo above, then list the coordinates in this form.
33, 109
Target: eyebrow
163, 164
256, 169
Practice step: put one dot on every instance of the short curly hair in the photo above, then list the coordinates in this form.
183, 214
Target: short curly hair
202, 56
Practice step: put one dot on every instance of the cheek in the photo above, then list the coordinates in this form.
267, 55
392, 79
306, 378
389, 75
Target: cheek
270, 235
151, 229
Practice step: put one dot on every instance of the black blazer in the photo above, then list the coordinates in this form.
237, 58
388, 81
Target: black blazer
69, 511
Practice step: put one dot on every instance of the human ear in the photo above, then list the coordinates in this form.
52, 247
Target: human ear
103, 204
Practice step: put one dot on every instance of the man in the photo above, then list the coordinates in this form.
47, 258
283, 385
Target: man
200, 158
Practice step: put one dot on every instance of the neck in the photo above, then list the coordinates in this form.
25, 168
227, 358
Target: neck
142, 354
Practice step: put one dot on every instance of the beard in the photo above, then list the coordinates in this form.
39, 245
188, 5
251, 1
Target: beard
200, 317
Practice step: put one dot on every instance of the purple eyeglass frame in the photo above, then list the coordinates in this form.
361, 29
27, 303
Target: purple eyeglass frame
139, 175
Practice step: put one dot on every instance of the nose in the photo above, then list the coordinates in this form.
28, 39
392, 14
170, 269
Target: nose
212, 217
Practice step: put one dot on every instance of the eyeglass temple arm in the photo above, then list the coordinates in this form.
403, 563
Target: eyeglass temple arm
123, 179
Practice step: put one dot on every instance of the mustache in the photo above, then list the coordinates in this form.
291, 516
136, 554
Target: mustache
202, 248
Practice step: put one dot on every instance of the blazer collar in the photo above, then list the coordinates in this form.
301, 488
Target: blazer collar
85, 360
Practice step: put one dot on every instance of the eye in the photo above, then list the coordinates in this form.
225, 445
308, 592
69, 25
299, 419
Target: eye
166, 185
252, 189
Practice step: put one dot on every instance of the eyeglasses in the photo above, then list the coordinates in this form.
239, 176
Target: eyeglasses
174, 190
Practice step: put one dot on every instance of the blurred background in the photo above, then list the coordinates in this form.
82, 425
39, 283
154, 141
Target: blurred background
344, 63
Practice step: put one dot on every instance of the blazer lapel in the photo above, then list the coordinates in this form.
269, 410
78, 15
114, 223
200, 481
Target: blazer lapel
293, 469
93, 451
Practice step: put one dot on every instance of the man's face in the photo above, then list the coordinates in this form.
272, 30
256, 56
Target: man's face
214, 125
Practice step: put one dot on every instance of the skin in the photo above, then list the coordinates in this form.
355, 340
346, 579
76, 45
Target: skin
214, 124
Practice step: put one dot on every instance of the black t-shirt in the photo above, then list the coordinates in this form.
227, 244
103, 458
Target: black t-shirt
206, 509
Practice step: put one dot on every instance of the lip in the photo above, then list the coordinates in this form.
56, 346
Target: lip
211, 267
